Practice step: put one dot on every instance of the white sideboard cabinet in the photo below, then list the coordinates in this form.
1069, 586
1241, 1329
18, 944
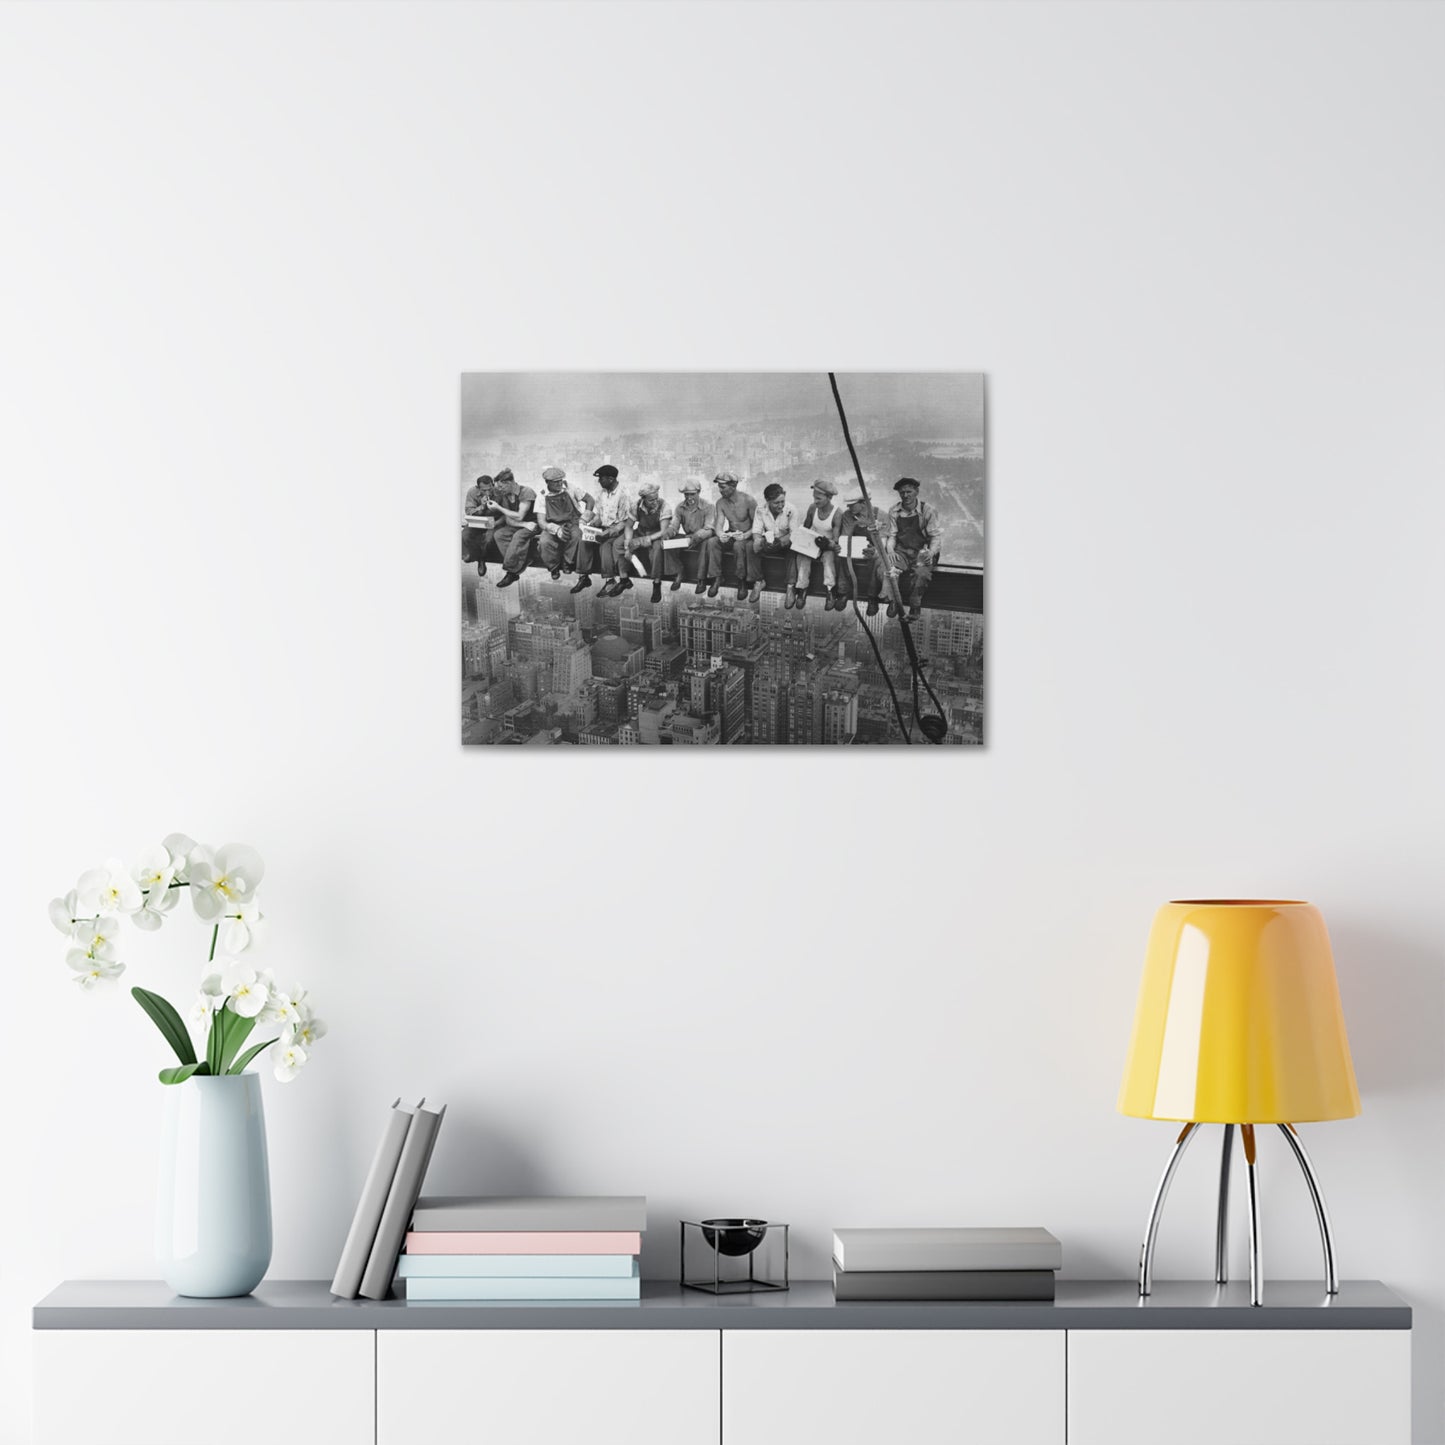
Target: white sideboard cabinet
120, 1363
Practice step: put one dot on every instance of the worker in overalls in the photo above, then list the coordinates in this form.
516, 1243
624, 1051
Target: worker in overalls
650, 520
511, 506
916, 540
691, 518
561, 519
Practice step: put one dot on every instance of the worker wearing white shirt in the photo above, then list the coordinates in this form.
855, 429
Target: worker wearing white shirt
823, 520
773, 525
611, 513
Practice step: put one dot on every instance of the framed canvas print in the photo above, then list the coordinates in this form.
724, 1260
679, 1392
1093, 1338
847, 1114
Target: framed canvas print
665, 559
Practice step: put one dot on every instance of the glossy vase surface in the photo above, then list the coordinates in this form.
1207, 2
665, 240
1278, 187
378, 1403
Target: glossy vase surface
213, 1212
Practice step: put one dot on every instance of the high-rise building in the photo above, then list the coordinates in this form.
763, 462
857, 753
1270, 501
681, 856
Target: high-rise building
496, 607
665, 665
613, 657
711, 629
695, 731
571, 667
769, 713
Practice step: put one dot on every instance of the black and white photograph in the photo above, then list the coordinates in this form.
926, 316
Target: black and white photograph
713, 558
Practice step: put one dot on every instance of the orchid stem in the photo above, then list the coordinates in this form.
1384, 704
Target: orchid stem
215, 933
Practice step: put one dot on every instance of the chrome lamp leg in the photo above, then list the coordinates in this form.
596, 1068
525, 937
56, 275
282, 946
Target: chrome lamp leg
1251, 1173
1332, 1279
1146, 1255
1221, 1228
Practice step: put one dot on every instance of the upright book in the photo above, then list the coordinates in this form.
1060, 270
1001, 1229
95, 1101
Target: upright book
400, 1200
362, 1234
903, 1249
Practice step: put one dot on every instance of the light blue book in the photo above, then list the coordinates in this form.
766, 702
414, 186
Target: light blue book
517, 1266
478, 1288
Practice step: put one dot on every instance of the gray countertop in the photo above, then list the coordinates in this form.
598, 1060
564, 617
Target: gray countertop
808, 1305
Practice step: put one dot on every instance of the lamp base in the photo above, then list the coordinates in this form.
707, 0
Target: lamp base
1221, 1234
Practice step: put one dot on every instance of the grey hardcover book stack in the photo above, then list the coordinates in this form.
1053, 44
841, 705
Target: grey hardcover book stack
945, 1264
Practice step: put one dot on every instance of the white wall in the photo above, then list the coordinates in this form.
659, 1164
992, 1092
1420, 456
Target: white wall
247, 253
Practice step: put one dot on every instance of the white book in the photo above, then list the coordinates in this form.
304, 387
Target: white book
673, 543
942, 1249
852, 546
524, 1289
479, 521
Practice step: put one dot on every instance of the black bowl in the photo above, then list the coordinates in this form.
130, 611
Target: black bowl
734, 1237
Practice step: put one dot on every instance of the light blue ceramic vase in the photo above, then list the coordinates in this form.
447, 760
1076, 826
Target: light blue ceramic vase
213, 1215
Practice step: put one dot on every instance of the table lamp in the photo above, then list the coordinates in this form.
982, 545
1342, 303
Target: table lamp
1239, 1023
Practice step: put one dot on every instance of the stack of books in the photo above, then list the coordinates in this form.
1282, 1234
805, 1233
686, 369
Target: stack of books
480, 1247
945, 1264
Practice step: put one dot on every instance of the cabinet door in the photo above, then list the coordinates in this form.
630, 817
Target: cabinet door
893, 1387
1249, 1387
202, 1387
547, 1387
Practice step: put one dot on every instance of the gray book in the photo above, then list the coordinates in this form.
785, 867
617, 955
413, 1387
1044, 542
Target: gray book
400, 1200
943, 1284
906, 1249
616, 1213
359, 1238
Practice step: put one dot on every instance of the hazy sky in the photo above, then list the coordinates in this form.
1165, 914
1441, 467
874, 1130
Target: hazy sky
506, 403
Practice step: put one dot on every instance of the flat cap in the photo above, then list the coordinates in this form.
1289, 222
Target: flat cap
726, 477
691, 487
823, 485
505, 475
902, 482
554, 474
605, 470
649, 489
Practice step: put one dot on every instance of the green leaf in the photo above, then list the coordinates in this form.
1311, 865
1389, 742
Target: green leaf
237, 1032
168, 1021
216, 1038
239, 1067
181, 1072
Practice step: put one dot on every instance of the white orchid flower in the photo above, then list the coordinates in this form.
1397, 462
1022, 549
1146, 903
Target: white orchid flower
64, 911
108, 889
305, 1031
243, 929
280, 1009
153, 911
223, 882
154, 869
91, 971
211, 997
98, 937
290, 1060
180, 848
248, 994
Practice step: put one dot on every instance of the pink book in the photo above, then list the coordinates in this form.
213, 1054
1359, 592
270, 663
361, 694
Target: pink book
544, 1242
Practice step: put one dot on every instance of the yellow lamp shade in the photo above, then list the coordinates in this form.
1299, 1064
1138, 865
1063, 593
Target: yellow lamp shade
1239, 1018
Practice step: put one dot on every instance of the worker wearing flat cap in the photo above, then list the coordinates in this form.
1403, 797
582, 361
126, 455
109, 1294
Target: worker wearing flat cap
773, 526
691, 518
859, 516
561, 518
650, 520
732, 532
513, 524
474, 532
821, 521
609, 521
917, 536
